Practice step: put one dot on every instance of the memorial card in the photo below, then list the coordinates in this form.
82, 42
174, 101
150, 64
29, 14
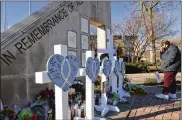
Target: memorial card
84, 42
84, 25
71, 39
83, 59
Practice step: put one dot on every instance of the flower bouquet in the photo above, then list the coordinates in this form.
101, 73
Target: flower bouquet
115, 98
7, 114
137, 90
126, 84
25, 113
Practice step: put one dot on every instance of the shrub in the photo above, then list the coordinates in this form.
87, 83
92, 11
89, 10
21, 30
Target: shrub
141, 67
137, 90
136, 68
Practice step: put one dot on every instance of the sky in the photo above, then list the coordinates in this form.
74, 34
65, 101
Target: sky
17, 11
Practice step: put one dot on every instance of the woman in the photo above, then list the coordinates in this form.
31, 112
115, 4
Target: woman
170, 64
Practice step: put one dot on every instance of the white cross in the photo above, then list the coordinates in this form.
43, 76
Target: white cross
61, 97
90, 101
104, 108
109, 50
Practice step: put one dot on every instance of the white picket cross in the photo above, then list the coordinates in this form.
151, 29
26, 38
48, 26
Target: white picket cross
90, 101
61, 97
104, 108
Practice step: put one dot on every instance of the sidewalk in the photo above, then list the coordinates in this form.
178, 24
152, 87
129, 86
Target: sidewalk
140, 78
148, 107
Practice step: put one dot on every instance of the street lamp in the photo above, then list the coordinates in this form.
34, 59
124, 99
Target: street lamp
29, 7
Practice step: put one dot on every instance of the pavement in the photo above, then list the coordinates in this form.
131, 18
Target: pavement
140, 78
148, 107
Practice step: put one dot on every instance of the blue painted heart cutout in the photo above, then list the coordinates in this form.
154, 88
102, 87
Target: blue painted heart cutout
107, 67
92, 68
62, 70
117, 67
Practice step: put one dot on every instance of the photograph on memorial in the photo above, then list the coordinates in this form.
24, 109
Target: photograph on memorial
84, 41
72, 39
84, 25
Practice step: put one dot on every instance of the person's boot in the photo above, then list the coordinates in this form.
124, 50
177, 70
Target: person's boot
172, 96
162, 96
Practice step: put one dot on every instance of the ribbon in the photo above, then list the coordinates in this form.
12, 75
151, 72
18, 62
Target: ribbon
65, 78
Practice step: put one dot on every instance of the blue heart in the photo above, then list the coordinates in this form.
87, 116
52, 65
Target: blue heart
62, 70
117, 67
107, 66
92, 68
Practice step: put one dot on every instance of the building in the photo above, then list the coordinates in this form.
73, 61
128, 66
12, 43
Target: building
27, 45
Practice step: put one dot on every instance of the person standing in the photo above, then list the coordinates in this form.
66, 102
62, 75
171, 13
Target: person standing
170, 65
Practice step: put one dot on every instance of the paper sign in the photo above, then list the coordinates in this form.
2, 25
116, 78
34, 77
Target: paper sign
157, 77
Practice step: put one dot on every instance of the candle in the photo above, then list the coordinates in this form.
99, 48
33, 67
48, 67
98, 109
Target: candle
79, 112
76, 110
26, 118
82, 114
35, 117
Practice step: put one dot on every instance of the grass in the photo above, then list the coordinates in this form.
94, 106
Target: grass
150, 82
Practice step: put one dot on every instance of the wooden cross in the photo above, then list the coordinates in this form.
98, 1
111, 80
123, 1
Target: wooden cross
104, 108
61, 97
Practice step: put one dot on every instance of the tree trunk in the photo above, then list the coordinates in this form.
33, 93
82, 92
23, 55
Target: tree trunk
132, 57
152, 37
153, 53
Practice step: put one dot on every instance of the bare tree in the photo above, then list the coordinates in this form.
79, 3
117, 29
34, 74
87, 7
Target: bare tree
135, 41
156, 23
151, 18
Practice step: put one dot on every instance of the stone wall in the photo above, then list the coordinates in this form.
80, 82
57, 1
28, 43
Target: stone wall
28, 54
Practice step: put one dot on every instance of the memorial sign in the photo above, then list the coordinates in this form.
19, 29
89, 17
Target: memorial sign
34, 35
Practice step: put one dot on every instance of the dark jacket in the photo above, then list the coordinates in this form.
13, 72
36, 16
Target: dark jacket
171, 59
